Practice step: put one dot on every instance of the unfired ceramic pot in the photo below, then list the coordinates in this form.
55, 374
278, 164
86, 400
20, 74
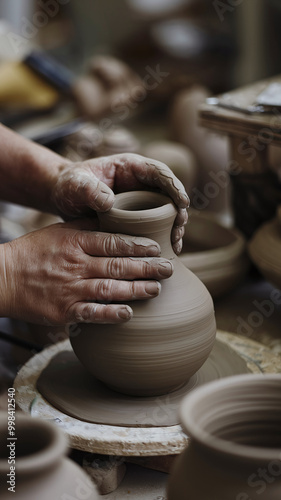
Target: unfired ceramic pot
210, 149
265, 249
118, 140
178, 157
216, 254
42, 469
234, 425
169, 337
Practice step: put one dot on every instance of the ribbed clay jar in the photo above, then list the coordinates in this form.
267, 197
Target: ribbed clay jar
234, 425
169, 337
42, 469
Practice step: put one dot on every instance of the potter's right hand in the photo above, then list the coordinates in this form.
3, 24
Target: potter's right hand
62, 274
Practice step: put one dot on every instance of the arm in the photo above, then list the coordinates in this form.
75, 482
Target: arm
28, 171
34, 176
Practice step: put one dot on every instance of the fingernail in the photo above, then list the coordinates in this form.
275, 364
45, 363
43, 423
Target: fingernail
165, 269
153, 288
125, 313
105, 201
153, 250
185, 199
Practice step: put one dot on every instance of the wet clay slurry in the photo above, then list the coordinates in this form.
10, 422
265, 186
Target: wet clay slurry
169, 337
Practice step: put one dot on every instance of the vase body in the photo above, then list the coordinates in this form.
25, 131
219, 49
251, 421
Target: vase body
234, 426
169, 337
42, 469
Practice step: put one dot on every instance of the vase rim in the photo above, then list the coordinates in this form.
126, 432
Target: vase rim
162, 205
208, 439
54, 444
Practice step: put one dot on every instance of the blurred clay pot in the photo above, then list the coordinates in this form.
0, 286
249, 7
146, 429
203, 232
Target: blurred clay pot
265, 249
42, 468
210, 149
216, 254
179, 158
234, 425
169, 337
118, 140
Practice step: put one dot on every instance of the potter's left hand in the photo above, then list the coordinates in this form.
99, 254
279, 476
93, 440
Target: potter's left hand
90, 186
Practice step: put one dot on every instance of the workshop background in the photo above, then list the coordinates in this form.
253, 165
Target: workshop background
91, 78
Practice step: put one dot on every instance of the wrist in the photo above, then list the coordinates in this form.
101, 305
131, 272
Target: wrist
47, 167
5, 279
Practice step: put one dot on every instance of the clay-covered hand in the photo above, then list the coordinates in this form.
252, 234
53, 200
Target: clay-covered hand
62, 274
90, 186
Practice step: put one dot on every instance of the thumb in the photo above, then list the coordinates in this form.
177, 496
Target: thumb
99, 196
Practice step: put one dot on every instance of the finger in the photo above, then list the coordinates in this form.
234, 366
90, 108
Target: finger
177, 234
128, 268
177, 247
83, 312
181, 218
156, 173
117, 245
109, 290
78, 190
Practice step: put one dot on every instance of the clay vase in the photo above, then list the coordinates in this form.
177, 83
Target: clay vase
42, 469
210, 149
265, 250
234, 425
169, 337
178, 157
216, 254
118, 140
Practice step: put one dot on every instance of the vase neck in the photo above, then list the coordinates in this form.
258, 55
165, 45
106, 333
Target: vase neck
142, 213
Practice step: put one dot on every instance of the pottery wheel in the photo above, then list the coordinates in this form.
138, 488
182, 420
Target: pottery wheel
235, 353
67, 386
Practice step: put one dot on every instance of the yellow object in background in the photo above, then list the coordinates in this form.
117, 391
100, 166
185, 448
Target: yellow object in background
21, 88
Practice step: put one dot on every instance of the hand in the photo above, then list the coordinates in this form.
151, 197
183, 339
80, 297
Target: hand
59, 274
88, 186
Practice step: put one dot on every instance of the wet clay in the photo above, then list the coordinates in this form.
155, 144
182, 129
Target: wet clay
68, 387
43, 470
169, 337
234, 426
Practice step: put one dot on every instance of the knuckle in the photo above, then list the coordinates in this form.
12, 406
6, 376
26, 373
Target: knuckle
110, 244
104, 289
116, 268
134, 289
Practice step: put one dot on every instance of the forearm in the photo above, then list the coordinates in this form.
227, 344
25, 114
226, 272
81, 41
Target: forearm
28, 171
4, 292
